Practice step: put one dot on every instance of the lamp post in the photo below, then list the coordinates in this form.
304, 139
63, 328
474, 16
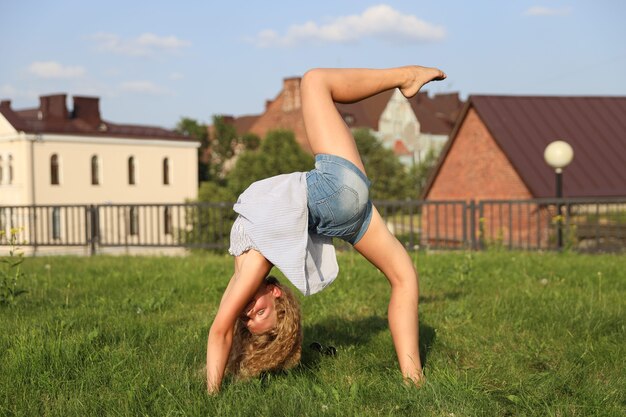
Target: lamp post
558, 155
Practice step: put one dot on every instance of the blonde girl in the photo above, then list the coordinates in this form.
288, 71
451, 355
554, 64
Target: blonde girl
288, 221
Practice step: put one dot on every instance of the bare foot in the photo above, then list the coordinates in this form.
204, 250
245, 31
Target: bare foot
418, 76
416, 380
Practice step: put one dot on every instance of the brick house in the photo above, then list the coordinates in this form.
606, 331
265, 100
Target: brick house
496, 152
410, 127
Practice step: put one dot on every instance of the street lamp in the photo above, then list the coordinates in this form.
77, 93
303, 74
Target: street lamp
558, 155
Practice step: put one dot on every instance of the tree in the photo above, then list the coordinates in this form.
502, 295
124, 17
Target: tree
191, 127
250, 141
421, 172
222, 143
390, 180
210, 191
279, 153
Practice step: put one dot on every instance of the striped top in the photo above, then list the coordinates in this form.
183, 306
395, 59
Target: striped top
273, 219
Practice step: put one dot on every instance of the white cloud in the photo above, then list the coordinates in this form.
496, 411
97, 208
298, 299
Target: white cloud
52, 69
176, 76
143, 87
547, 11
145, 44
381, 21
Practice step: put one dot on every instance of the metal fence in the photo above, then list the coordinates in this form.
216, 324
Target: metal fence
540, 224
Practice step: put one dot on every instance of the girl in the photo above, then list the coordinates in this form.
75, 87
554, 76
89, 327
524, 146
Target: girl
289, 221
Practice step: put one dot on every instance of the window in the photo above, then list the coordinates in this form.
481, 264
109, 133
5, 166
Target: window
10, 176
166, 171
131, 170
1, 169
95, 170
133, 220
56, 223
167, 221
54, 169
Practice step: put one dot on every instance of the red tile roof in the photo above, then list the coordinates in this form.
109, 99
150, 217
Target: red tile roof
523, 126
400, 149
54, 118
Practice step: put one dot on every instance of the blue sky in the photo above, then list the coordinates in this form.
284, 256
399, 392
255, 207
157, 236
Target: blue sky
152, 62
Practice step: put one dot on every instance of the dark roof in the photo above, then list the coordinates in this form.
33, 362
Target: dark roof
436, 114
79, 122
365, 113
523, 126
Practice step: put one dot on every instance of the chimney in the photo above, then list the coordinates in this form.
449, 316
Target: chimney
53, 107
88, 110
229, 120
5, 104
291, 94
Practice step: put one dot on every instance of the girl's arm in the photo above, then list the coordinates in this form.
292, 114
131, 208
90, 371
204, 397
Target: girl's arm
250, 270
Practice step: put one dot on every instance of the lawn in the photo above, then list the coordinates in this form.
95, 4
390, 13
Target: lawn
502, 333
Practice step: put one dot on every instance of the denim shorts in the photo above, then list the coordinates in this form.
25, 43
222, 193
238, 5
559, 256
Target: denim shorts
338, 199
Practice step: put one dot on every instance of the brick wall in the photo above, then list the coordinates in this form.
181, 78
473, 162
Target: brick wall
284, 112
476, 169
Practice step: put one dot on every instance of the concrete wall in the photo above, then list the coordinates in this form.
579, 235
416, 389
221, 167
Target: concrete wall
75, 186
74, 154
14, 151
398, 121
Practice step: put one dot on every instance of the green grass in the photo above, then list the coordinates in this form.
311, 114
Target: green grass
503, 333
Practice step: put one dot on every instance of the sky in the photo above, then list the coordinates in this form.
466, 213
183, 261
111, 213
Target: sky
153, 62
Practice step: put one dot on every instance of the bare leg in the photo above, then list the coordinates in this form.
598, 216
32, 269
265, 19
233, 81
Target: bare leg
320, 88
383, 250
327, 133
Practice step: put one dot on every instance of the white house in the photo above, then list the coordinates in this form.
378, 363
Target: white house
52, 156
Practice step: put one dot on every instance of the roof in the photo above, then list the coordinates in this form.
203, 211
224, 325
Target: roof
61, 121
244, 123
522, 126
400, 149
435, 114
367, 112
438, 113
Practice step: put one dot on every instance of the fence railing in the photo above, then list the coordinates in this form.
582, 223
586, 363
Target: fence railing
538, 224
577, 224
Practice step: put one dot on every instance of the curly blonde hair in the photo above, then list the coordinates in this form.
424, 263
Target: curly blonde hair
279, 348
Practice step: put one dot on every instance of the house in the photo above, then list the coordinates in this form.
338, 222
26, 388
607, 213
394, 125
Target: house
51, 155
496, 152
284, 112
409, 126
